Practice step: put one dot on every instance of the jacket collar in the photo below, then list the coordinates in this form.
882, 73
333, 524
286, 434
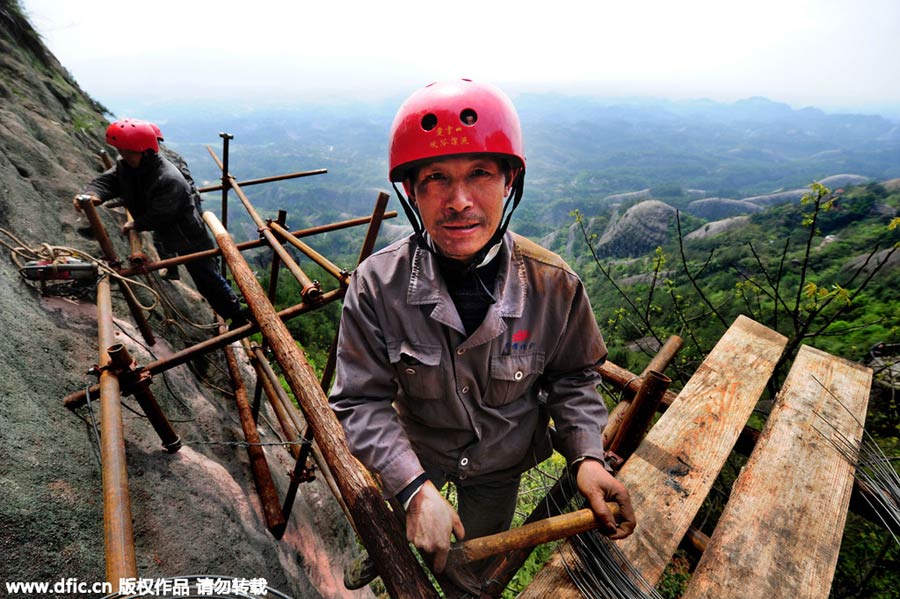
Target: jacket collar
427, 287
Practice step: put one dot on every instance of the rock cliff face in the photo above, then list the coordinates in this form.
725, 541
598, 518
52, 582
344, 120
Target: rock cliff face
194, 512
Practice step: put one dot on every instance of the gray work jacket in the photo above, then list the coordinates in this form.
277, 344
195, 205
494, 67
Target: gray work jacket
412, 388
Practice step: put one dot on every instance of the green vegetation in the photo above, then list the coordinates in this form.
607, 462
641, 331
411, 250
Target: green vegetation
823, 272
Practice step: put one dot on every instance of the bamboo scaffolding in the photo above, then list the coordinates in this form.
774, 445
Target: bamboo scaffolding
118, 534
378, 529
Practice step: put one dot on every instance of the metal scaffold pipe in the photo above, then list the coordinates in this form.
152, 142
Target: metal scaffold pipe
309, 289
90, 211
262, 476
118, 534
249, 245
378, 528
249, 182
140, 387
335, 271
77, 399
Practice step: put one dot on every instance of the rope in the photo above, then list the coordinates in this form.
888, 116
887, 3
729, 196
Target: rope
57, 254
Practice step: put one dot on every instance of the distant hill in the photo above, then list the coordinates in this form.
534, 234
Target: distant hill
643, 227
582, 152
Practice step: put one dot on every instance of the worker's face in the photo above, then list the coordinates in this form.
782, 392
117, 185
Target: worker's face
460, 200
131, 158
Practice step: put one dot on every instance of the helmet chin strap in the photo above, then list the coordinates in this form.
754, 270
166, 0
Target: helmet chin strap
492, 247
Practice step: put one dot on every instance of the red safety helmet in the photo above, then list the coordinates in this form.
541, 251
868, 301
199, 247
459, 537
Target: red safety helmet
157, 130
454, 117
133, 135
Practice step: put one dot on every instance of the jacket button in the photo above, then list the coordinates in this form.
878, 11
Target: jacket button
460, 351
410, 371
464, 390
518, 375
464, 462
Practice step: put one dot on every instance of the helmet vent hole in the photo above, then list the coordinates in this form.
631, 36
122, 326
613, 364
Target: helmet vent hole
429, 121
468, 117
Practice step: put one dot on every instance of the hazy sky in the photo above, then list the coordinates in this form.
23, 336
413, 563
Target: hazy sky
834, 54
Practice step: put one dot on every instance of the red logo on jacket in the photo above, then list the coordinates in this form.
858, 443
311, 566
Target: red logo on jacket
521, 336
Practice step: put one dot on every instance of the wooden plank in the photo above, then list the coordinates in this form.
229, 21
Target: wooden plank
781, 530
674, 467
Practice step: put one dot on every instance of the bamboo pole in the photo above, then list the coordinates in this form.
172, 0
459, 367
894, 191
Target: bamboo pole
378, 529
118, 534
262, 476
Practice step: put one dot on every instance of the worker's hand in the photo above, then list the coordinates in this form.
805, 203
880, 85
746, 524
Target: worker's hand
128, 226
599, 486
429, 521
76, 201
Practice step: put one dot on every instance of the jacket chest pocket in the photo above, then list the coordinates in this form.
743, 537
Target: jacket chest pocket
418, 369
512, 376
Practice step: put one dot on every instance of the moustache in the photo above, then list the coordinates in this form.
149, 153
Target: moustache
464, 218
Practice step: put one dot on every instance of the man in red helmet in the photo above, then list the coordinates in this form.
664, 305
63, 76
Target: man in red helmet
160, 200
459, 343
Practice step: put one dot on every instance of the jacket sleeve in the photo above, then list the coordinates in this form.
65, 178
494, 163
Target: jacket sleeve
169, 199
577, 408
105, 186
364, 391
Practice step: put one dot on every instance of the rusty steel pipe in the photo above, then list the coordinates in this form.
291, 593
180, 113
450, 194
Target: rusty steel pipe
118, 533
378, 215
107, 161
291, 425
338, 273
272, 179
249, 245
106, 246
379, 531
136, 257
125, 367
76, 399
309, 289
262, 476
665, 355
271, 386
628, 381
285, 408
639, 415
274, 269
